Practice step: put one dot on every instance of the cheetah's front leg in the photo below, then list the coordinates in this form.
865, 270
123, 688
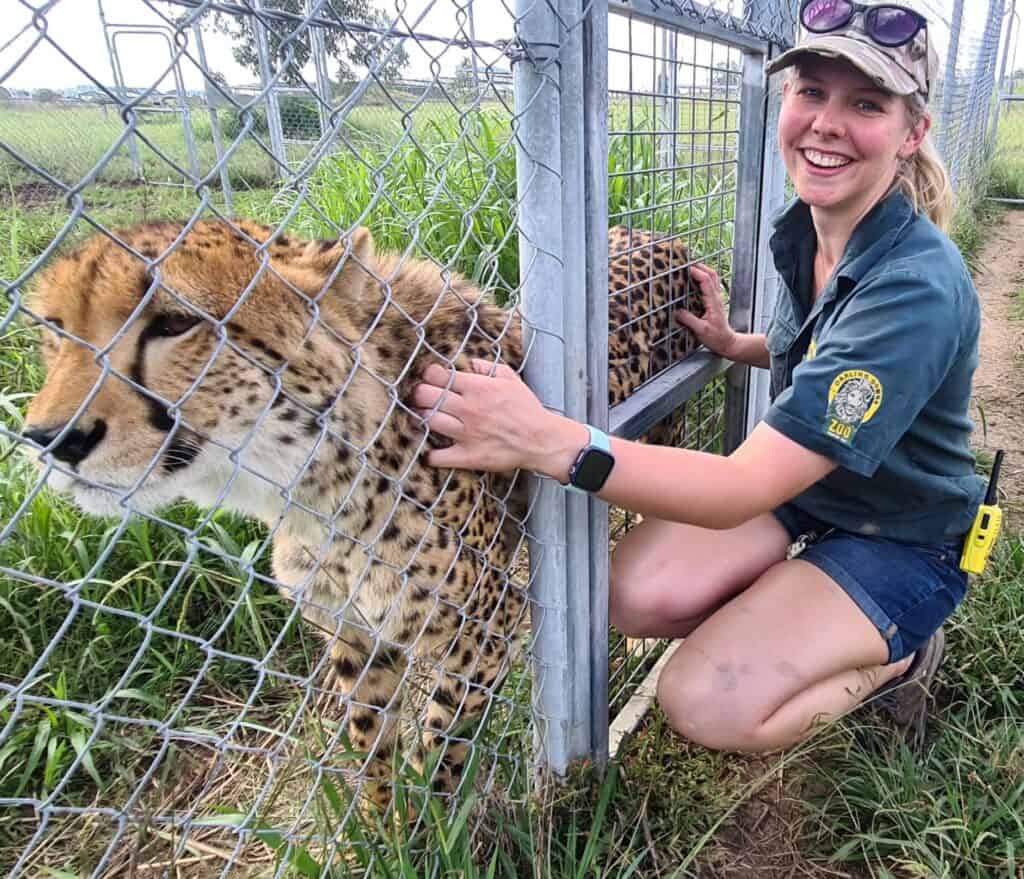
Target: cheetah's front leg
466, 679
370, 674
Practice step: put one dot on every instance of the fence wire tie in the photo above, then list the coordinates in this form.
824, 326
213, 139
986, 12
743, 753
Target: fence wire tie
518, 50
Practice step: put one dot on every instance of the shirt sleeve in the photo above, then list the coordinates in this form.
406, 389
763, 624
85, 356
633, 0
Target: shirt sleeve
872, 372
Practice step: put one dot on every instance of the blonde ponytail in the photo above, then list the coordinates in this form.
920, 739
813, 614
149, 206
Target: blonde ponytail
923, 178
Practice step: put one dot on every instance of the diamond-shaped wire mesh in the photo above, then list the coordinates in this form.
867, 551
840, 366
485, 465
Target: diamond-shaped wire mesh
162, 706
218, 685
969, 37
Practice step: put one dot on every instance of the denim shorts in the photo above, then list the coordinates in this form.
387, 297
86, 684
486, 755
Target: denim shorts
907, 590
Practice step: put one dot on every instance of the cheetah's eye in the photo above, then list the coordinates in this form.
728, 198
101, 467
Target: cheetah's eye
173, 324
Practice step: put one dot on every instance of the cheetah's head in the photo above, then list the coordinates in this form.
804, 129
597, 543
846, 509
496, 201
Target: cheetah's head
174, 360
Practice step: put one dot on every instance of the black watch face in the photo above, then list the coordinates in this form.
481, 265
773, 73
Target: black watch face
592, 469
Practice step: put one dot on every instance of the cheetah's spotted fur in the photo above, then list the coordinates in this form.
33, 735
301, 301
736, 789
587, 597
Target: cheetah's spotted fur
286, 402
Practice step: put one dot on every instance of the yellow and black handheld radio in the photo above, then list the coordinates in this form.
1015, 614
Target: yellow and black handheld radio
985, 530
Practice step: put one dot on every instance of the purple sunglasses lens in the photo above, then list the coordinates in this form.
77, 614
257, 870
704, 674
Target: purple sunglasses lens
826, 15
892, 26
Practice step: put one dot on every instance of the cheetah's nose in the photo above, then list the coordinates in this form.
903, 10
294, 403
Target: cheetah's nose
74, 445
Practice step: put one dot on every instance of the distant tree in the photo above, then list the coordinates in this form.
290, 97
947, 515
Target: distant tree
346, 46
45, 96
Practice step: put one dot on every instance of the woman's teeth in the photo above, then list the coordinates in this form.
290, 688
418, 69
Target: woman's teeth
824, 160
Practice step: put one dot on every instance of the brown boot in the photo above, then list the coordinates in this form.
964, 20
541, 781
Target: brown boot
905, 698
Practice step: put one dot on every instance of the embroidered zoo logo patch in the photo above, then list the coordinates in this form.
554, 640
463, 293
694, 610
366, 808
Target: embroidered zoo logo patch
853, 399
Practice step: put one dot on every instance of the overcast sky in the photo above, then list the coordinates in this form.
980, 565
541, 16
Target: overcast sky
76, 27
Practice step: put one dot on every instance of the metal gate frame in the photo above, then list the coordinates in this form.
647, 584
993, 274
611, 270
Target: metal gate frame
563, 116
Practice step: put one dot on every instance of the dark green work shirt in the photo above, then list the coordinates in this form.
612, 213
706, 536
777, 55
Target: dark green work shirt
876, 373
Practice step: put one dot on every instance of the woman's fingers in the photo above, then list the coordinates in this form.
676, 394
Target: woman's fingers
442, 422
430, 397
452, 458
696, 325
493, 370
702, 270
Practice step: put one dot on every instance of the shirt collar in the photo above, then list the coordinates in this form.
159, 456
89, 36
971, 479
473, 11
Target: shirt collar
874, 236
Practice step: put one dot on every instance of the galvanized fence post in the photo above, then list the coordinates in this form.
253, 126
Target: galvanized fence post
993, 31
538, 165
745, 238
269, 92
584, 113
575, 313
595, 164
949, 86
323, 80
773, 197
211, 99
115, 67
186, 118
997, 110
970, 123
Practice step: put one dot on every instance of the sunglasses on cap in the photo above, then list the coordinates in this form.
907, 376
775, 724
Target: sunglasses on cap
887, 24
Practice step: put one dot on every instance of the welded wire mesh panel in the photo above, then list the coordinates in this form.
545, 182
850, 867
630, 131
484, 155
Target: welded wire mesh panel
675, 117
240, 617
769, 20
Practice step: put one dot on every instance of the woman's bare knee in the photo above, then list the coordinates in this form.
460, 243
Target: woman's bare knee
705, 704
643, 602
666, 578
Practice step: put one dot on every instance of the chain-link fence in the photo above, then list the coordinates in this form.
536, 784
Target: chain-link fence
274, 622
963, 98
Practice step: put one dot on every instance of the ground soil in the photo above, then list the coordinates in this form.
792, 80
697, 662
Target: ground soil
999, 382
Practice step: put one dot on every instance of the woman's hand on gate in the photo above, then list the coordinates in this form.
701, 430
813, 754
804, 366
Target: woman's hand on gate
495, 422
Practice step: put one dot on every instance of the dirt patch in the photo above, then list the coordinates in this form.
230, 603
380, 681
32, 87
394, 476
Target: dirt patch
41, 194
999, 381
767, 836
28, 196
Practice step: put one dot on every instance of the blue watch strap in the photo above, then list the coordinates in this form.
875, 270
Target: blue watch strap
599, 439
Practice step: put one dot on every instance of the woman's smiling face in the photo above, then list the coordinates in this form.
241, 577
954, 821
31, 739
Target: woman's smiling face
842, 137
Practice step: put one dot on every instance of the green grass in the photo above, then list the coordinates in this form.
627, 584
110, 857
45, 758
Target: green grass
1007, 172
958, 808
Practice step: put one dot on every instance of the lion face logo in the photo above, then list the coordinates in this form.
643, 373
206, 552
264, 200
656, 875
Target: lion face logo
853, 399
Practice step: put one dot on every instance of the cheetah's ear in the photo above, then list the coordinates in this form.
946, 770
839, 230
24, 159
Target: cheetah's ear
354, 251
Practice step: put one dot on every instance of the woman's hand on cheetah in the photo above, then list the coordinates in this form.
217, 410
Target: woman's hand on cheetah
495, 422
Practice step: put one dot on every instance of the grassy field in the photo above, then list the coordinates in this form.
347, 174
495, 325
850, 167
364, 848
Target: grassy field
130, 608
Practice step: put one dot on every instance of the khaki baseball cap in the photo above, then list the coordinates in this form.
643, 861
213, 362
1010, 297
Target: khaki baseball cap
903, 70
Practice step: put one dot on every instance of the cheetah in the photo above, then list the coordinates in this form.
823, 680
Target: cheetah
233, 365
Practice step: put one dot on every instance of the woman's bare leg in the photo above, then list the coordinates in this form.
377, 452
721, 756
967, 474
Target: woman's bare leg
783, 656
667, 577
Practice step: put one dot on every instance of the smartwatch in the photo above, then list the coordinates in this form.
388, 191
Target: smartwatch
593, 464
